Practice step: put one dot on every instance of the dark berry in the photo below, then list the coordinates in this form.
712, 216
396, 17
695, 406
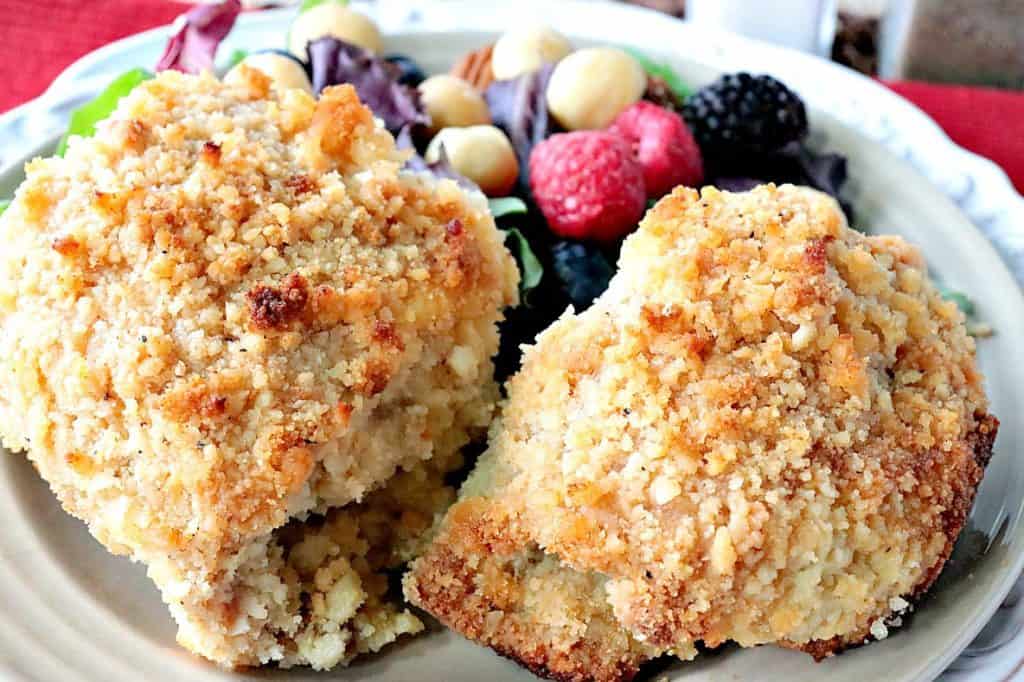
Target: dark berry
583, 270
739, 115
408, 72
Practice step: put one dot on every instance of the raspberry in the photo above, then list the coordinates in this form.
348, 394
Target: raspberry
663, 145
587, 184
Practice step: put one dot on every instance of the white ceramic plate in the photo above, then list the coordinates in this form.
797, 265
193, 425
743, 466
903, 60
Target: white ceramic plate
74, 612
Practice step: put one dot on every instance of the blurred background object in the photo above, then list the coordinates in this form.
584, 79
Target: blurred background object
676, 8
975, 42
856, 41
806, 25
954, 41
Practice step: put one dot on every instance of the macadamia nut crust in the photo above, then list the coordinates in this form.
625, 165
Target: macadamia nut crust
230, 311
769, 429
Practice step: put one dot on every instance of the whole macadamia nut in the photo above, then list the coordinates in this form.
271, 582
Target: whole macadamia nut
590, 87
481, 153
283, 70
453, 102
335, 20
527, 48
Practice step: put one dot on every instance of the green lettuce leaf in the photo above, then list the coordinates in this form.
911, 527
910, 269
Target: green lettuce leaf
4, 203
975, 327
85, 117
663, 71
504, 206
530, 268
963, 302
236, 57
310, 4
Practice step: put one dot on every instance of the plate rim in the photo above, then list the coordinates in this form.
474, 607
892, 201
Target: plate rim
1013, 201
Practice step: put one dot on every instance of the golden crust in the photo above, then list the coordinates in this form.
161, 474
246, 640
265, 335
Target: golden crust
484, 579
230, 307
768, 430
964, 486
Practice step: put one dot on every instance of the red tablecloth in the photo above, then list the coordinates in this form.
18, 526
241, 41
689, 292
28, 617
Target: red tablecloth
985, 121
39, 39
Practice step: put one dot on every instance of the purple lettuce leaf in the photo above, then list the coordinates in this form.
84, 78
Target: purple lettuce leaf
794, 163
730, 183
824, 171
192, 48
334, 61
440, 168
519, 107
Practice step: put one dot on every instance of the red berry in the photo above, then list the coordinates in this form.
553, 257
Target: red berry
663, 145
587, 184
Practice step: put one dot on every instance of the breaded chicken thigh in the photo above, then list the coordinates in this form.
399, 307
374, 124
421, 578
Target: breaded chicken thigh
769, 429
232, 311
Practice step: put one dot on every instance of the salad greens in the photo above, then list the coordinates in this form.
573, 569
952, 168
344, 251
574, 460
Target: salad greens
84, 118
975, 327
333, 61
965, 304
310, 4
236, 57
794, 163
519, 107
192, 48
530, 267
663, 71
503, 206
4, 204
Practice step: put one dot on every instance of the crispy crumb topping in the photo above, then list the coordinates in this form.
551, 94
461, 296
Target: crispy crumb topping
767, 429
230, 307
275, 307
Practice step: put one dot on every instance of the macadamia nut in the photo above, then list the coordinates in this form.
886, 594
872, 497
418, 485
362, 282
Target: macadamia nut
453, 102
527, 48
481, 153
335, 20
284, 72
590, 87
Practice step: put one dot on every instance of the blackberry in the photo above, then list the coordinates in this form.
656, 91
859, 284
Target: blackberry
583, 270
739, 115
406, 71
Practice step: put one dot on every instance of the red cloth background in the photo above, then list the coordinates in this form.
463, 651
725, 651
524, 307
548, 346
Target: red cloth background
39, 38
987, 122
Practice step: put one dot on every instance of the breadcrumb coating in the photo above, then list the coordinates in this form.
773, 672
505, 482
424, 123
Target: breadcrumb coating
229, 309
484, 578
769, 429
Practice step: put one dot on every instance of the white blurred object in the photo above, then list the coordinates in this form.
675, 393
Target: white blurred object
871, 8
805, 25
